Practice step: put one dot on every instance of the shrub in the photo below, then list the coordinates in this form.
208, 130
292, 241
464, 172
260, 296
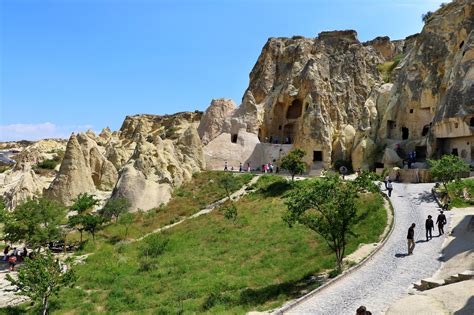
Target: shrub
154, 245
49, 164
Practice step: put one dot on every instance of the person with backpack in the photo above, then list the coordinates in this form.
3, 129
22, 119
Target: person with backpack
12, 262
389, 188
429, 225
441, 221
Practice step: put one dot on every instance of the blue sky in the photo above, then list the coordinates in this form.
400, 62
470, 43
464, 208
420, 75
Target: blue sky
69, 65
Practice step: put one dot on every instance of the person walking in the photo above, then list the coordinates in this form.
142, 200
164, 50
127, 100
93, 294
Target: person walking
5, 253
248, 167
241, 168
441, 221
429, 225
411, 239
389, 188
225, 166
387, 178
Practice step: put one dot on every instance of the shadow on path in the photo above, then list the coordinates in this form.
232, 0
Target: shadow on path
400, 255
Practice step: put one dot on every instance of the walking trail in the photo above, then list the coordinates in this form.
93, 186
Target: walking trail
388, 274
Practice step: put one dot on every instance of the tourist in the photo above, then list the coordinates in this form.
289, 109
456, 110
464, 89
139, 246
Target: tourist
241, 169
5, 253
387, 178
225, 166
24, 254
389, 188
362, 310
411, 239
441, 221
343, 171
12, 262
398, 177
248, 167
271, 167
15, 252
429, 225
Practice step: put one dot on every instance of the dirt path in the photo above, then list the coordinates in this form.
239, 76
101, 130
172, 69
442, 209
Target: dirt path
389, 273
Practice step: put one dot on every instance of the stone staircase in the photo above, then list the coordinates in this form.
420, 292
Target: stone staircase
431, 283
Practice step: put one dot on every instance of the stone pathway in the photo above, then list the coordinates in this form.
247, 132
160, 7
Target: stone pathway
235, 196
387, 275
7, 295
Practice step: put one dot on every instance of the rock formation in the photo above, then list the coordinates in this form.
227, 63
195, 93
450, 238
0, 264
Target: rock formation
326, 96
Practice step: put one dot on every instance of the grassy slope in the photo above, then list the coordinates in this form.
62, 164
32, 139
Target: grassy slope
214, 266
456, 193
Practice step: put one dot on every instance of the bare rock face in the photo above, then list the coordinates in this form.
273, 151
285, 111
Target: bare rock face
26, 185
388, 49
216, 119
167, 151
74, 175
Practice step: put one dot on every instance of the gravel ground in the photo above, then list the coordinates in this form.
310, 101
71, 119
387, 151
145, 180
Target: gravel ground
389, 273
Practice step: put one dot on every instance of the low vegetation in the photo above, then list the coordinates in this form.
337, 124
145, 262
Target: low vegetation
386, 68
461, 193
210, 264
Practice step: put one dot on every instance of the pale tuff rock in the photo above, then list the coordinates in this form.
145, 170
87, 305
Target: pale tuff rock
216, 119
388, 49
74, 176
157, 166
27, 185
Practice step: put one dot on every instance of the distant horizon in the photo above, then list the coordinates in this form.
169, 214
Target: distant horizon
88, 64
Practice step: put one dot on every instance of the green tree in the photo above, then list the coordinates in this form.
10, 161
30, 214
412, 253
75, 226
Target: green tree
293, 162
42, 277
82, 204
36, 222
448, 169
328, 207
126, 220
114, 208
92, 224
229, 182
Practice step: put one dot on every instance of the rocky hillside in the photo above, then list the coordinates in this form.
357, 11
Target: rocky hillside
327, 95
333, 96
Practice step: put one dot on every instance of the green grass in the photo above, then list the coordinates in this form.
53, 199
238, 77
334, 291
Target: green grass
457, 190
188, 199
211, 265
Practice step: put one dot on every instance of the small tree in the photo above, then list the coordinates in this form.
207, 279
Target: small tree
36, 222
447, 169
426, 16
328, 207
293, 162
82, 204
229, 182
92, 224
114, 208
126, 220
42, 277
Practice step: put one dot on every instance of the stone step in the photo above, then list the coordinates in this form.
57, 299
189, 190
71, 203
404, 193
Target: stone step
452, 279
466, 275
430, 283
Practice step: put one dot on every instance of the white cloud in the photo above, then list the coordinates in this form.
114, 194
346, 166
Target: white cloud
15, 132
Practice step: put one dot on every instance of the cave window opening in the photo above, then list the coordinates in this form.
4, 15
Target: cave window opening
288, 133
455, 152
317, 156
425, 130
295, 110
456, 125
405, 133
279, 127
461, 44
234, 138
411, 111
306, 107
471, 122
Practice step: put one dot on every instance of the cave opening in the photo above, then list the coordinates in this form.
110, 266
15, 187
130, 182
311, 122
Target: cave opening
233, 138
317, 156
295, 110
390, 126
461, 44
471, 122
425, 130
405, 133
288, 131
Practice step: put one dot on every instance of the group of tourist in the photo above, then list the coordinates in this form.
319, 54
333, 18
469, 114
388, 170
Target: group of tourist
429, 226
266, 168
12, 256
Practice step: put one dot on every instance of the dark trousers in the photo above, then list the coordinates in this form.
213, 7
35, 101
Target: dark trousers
428, 232
441, 229
389, 192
